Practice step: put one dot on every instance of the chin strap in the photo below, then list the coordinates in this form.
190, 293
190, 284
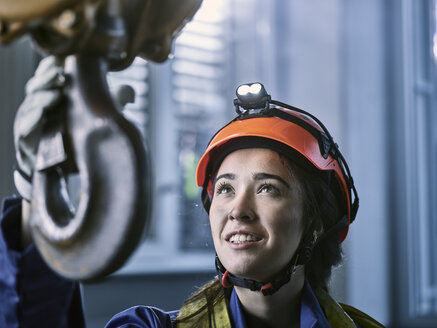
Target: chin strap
228, 280
300, 257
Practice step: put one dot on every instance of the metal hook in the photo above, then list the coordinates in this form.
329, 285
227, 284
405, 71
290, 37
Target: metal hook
111, 160
92, 139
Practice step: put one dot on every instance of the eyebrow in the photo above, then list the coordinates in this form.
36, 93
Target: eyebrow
263, 176
256, 176
229, 176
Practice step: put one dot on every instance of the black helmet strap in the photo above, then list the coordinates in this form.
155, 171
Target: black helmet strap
228, 279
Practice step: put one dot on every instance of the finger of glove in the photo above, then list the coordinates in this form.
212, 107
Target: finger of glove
32, 110
48, 75
25, 151
28, 126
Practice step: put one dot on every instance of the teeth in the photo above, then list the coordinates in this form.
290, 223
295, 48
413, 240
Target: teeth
241, 238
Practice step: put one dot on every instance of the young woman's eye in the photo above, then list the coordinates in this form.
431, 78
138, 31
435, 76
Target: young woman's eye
223, 188
269, 188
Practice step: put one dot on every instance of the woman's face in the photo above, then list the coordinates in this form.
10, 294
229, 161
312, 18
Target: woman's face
256, 213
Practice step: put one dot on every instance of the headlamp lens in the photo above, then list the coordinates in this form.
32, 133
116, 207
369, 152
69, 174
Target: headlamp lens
243, 90
255, 88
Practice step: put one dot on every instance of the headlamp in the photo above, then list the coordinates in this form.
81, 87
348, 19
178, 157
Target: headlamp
251, 96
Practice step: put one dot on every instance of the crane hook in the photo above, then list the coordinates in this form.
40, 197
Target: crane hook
97, 142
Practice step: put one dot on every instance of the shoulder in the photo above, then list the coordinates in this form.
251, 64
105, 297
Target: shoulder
360, 318
342, 315
143, 316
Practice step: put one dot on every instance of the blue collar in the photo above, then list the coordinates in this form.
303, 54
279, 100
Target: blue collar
311, 314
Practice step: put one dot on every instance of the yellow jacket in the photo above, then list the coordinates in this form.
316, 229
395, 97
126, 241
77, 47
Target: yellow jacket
201, 314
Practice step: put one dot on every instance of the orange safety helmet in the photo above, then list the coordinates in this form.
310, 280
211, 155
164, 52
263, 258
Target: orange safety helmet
272, 124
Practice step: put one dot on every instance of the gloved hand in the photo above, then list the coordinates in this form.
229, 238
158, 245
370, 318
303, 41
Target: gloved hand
43, 93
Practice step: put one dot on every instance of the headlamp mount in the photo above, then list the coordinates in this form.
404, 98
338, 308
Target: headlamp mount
251, 97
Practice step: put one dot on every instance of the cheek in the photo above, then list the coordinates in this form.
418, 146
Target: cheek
213, 226
216, 233
289, 227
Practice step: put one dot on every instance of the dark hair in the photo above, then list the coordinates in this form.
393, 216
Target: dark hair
322, 208
200, 306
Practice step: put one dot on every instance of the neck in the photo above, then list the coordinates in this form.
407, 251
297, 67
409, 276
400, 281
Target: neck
282, 309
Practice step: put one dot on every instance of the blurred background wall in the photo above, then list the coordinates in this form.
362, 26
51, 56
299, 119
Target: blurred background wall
367, 69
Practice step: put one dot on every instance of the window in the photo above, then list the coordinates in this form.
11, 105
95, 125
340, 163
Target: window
415, 291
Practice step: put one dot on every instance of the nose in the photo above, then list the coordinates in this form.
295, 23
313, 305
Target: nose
242, 208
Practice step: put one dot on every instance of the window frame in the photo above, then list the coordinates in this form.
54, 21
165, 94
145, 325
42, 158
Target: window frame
413, 99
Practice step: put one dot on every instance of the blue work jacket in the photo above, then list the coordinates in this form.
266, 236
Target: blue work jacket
311, 314
32, 295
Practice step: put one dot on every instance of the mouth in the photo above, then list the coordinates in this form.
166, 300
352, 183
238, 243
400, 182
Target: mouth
242, 237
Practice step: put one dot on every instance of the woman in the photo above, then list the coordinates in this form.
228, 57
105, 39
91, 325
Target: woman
279, 197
